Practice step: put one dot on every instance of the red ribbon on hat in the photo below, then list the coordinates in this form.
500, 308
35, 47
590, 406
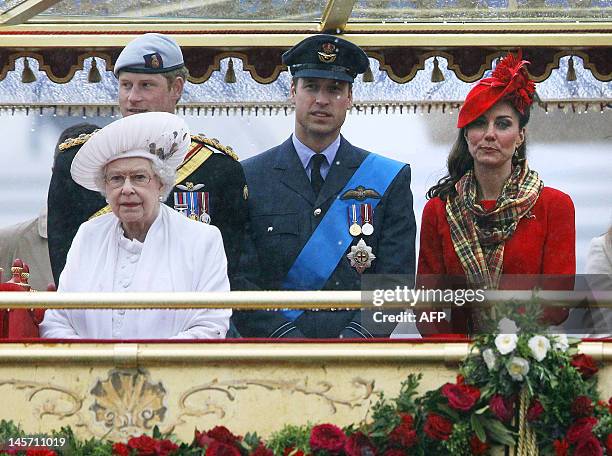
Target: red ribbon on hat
509, 82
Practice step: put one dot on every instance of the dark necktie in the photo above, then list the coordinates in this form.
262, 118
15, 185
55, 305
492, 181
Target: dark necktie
316, 180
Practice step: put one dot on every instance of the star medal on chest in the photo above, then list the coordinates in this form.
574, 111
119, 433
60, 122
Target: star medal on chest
366, 215
354, 226
361, 256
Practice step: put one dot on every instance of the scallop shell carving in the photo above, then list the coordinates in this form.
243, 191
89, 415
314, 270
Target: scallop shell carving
127, 399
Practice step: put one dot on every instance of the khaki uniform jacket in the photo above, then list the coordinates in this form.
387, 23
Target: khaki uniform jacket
28, 242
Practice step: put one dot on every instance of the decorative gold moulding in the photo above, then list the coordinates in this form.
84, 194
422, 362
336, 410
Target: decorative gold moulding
118, 390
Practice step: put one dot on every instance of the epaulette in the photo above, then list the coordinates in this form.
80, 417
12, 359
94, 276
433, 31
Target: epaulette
214, 143
78, 141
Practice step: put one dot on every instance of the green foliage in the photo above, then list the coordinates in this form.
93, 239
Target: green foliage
290, 436
459, 442
9, 429
404, 403
384, 420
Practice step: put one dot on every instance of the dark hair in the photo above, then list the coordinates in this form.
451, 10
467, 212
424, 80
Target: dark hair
73, 132
460, 161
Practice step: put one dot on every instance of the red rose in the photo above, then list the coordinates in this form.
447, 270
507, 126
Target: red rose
407, 419
588, 447
327, 437
581, 429
585, 365
477, 446
461, 397
561, 447
534, 411
291, 451
165, 447
148, 446
437, 427
502, 407
40, 452
582, 406
222, 434
404, 434
610, 404
460, 379
262, 450
202, 439
121, 449
394, 452
217, 448
609, 444
359, 444
145, 445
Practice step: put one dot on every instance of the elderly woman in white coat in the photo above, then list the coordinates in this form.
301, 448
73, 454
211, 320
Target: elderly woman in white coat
141, 245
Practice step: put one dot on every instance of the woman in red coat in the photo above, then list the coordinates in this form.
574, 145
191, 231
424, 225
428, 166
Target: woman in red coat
491, 216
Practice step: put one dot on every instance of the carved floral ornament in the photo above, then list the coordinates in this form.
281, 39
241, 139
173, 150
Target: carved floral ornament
264, 64
128, 402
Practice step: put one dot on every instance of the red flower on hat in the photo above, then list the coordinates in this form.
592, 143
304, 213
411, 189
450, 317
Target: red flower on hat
509, 81
511, 72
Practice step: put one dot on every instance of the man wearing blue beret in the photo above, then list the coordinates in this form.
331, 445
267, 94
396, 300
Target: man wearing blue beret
322, 212
210, 185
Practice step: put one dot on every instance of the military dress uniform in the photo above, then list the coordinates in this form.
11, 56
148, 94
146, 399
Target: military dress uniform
210, 184
288, 222
210, 173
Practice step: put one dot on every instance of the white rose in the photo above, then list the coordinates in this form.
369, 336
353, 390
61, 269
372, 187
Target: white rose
506, 343
518, 368
507, 326
539, 346
561, 342
489, 358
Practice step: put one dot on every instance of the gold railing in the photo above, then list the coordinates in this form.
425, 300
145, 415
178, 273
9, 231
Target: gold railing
255, 300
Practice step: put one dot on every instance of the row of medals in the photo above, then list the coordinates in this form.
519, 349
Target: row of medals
365, 214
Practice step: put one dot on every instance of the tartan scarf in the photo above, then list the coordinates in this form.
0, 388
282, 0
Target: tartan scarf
479, 236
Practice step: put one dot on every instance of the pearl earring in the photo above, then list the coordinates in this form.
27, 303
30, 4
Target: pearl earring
161, 199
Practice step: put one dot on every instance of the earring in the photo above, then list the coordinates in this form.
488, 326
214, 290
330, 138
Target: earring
161, 199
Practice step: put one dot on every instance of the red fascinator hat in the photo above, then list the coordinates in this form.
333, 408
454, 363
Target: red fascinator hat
509, 82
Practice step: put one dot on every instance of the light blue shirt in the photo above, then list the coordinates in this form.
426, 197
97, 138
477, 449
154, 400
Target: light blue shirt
305, 154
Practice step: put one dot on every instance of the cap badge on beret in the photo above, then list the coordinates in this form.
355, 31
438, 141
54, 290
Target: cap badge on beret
153, 61
328, 54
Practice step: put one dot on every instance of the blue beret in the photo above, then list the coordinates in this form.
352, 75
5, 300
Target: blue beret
326, 56
150, 53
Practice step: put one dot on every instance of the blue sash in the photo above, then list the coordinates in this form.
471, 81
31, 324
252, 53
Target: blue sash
318, 259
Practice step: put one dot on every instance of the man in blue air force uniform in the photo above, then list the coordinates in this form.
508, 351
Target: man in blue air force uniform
323, 212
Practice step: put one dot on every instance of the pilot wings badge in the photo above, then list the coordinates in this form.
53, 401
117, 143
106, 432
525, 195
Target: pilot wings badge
192, 203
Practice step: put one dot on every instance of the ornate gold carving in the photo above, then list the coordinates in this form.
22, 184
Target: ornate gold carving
49, 408
127, 399
321, 389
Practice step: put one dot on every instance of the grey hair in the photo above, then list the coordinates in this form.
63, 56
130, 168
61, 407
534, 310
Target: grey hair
165, 173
